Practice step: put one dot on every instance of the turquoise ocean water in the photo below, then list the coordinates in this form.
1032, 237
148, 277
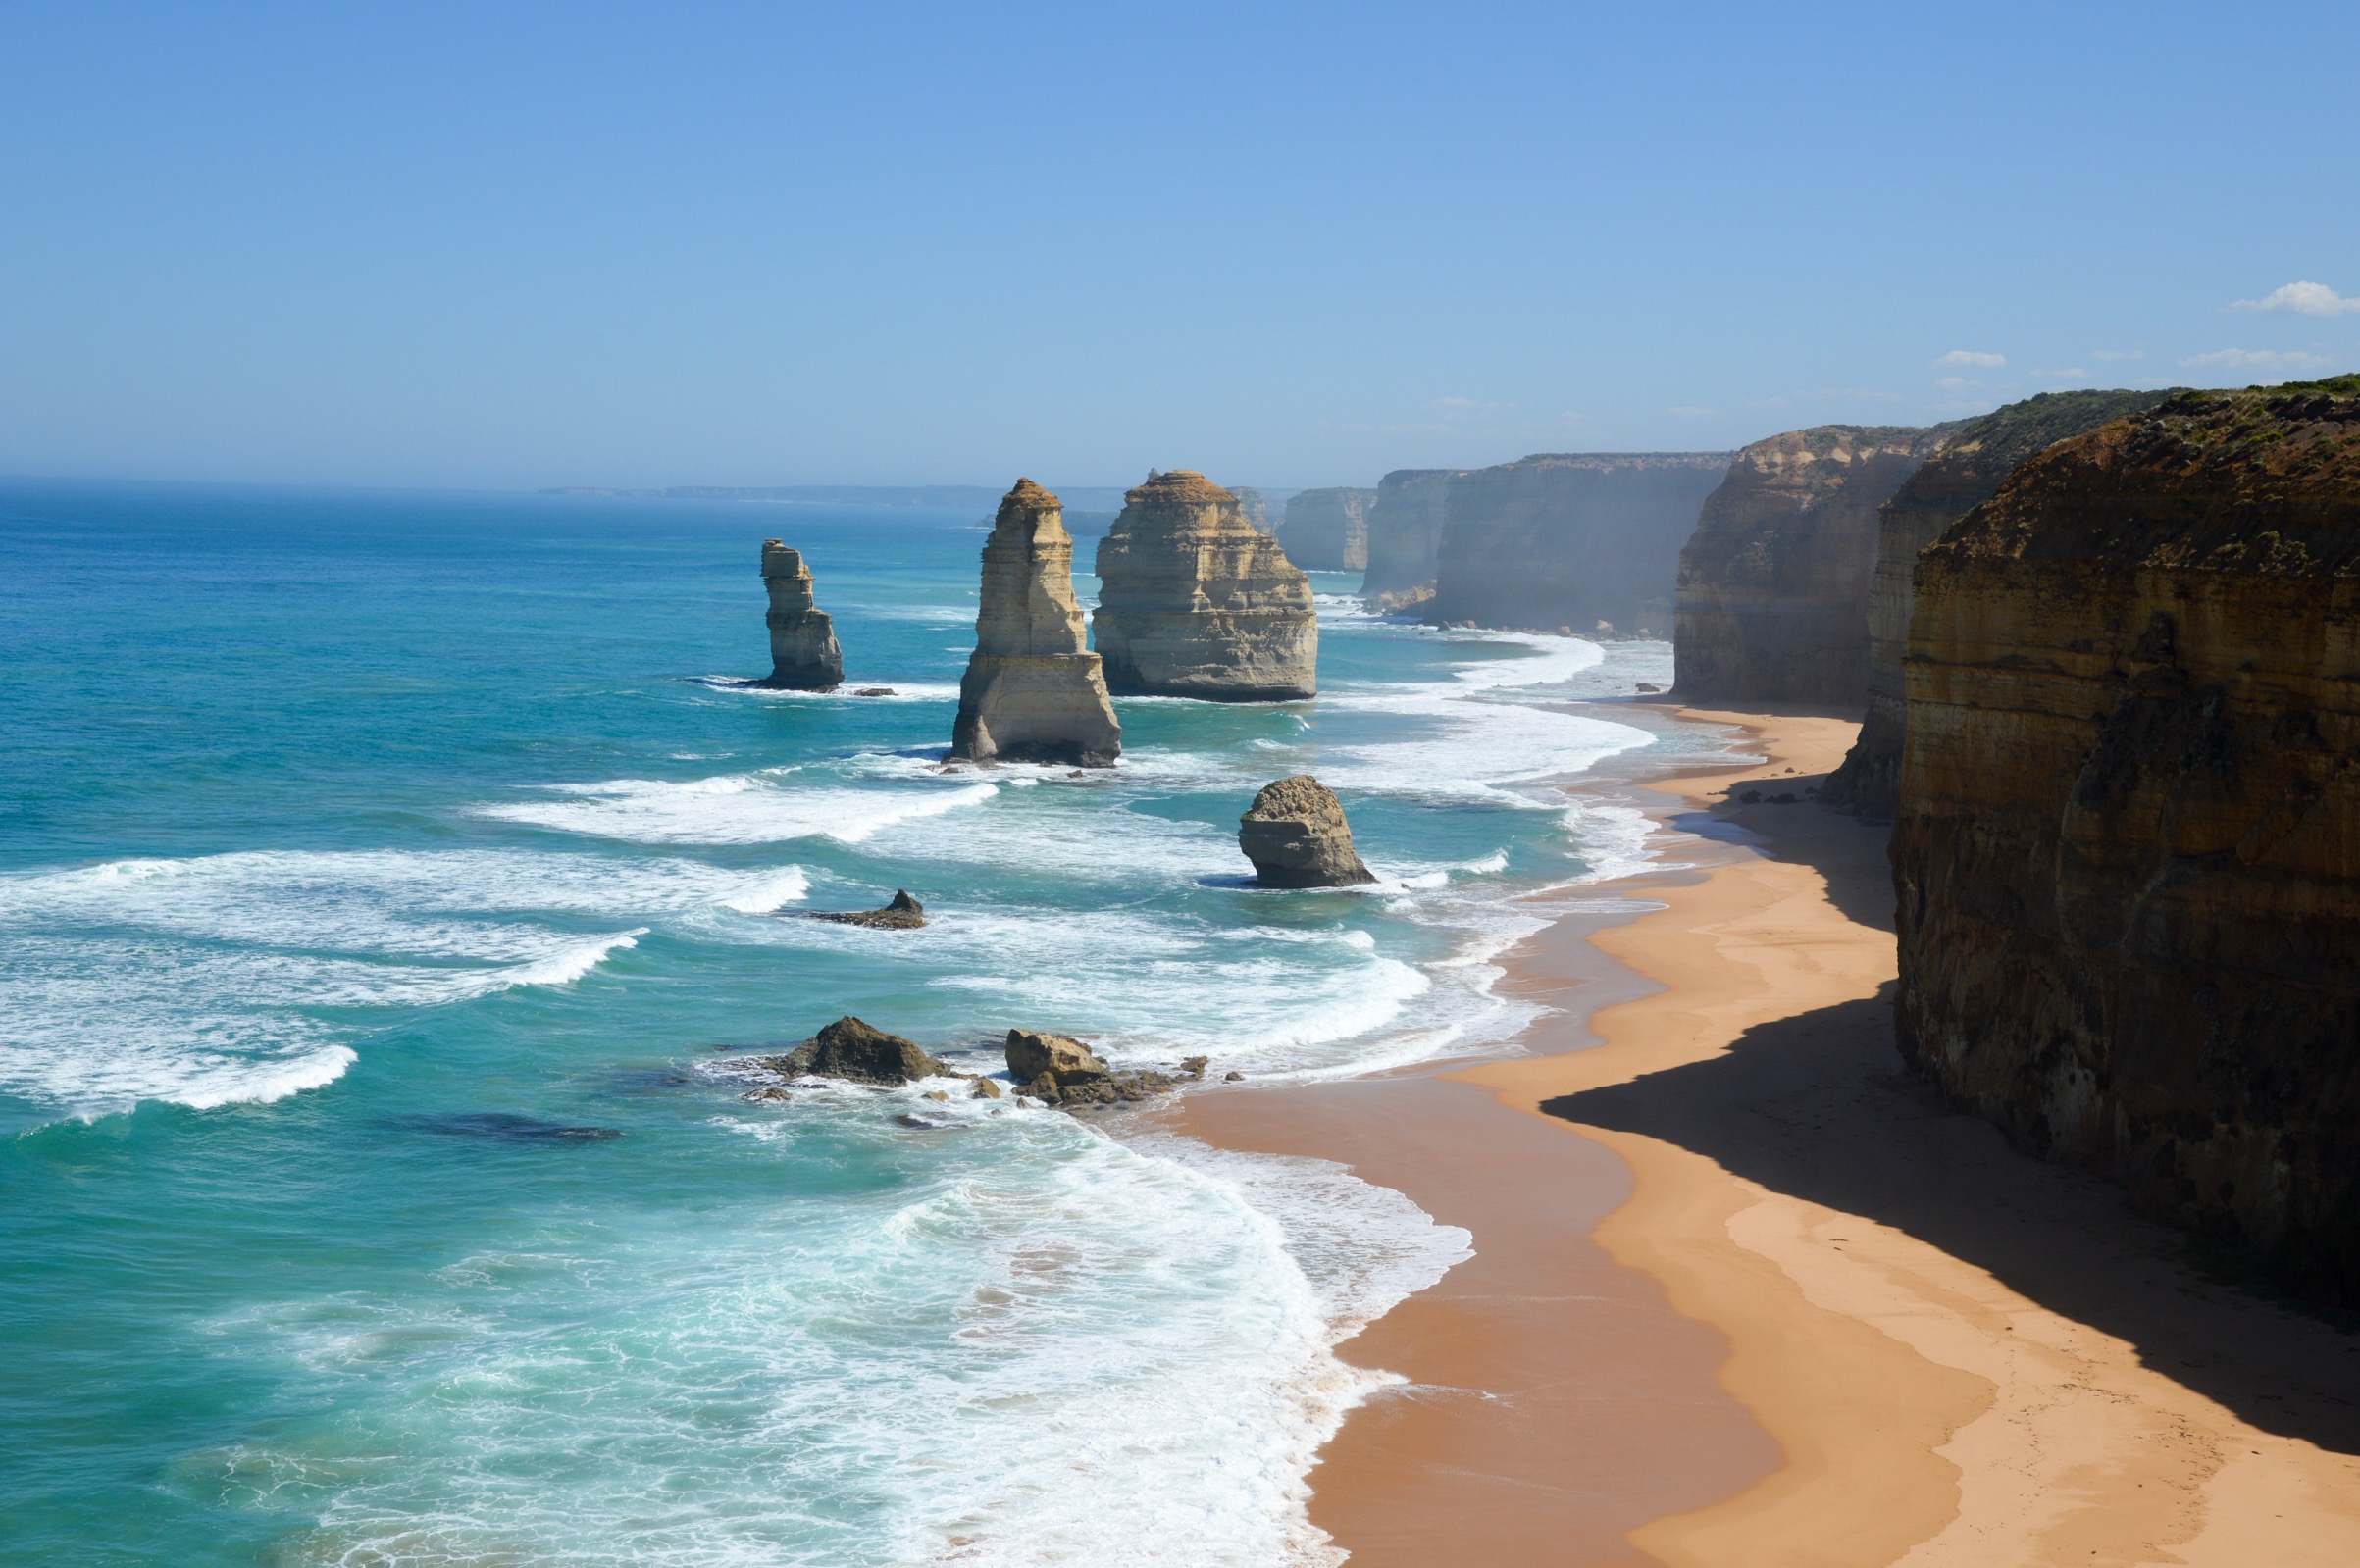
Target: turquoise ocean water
386, 883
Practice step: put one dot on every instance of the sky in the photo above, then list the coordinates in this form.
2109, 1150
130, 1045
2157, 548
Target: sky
516, 245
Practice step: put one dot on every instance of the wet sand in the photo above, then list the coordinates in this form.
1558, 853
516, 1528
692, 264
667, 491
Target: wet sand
1747, 1295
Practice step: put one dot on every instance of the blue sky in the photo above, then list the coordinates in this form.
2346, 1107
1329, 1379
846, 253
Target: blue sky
517, 245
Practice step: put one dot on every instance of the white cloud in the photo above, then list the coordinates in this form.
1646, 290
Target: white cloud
1461, 405
1692, 411
2256, 358
2069, 372
1968, 356
2117, 353
2304, 299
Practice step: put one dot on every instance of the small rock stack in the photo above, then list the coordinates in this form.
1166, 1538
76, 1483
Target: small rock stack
1194, 602
804, 655
1032, 692
1296, 835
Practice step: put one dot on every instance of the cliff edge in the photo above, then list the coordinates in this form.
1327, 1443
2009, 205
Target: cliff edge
2127, 848
1327, 529
1979, 455
1772, 604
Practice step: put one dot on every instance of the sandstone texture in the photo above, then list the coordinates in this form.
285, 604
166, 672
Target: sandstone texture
1327, 531
1032, 692
851, 1049
1772, 604
1194, 603
1587, 541
2127, 848
804, 655
1296, 835
1979, 454
1062, 1070
1405, 535
904, 913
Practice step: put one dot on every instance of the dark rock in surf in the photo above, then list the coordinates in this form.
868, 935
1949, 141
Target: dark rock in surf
904, 913
851, 1049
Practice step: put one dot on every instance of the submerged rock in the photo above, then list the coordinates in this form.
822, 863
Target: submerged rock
1194, 603
1032, 692
851, 1049
804, 655
904, 913
1296, 835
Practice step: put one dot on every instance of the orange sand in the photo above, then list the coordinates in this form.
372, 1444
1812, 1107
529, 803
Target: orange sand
1938, 1351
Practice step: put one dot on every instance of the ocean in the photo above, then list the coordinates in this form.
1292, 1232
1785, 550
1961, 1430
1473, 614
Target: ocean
389, 882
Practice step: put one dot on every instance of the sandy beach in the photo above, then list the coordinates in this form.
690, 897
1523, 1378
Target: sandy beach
1746, 1293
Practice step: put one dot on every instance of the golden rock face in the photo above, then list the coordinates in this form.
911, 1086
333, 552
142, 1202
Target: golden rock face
1032, 692
2127, 842
1194, 601
1772, 604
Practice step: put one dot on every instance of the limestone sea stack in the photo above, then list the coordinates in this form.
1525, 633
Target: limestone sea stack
1979, 454
1772, 604
1405, 534
1296, 835
2127, 851
1584, 541
1032, 692
1194, 603
804, 655
1327, 529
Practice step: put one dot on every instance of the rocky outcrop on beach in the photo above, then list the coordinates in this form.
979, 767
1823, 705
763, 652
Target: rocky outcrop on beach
1033, 692
1296, 835
1193, 602
1327, 529
1772, 604
1979, 454
904, 913
1062, 1070
2126, 847
1405, 532
851, 1049
804, 655
1586, 541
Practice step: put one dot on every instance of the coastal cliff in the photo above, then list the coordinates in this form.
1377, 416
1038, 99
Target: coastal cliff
1979, 454
1585, 540
1193, 602
1327, 529
2126, 847
1772, 604
804, 655
1405, 532
1032, 692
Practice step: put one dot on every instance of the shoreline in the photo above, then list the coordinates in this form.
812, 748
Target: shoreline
1743, 1294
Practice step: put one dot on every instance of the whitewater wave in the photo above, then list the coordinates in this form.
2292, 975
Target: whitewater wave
744, 808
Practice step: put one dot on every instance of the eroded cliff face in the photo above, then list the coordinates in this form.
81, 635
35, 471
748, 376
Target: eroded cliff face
1193, 602
1032, 692
1772, 604
1327, 529
2128, 843
804, 655
1969, 469
1586, 541
1405, 534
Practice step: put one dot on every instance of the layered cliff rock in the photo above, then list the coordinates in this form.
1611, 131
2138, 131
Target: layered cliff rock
2127, 842
1252, 507
1327, 529
1296, 835
1585, 540
1032, 692
1979, 454
804, 655
1772, 604
1405, 534
1194, 603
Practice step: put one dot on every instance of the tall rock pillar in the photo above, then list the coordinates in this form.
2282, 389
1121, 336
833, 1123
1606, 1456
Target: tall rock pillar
1194, 603
1031, 694
804, 655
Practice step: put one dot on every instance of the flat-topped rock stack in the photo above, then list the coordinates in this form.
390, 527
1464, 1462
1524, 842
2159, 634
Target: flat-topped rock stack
1327, 529
804, 655
1032, 692
1194, 602
1296, 835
